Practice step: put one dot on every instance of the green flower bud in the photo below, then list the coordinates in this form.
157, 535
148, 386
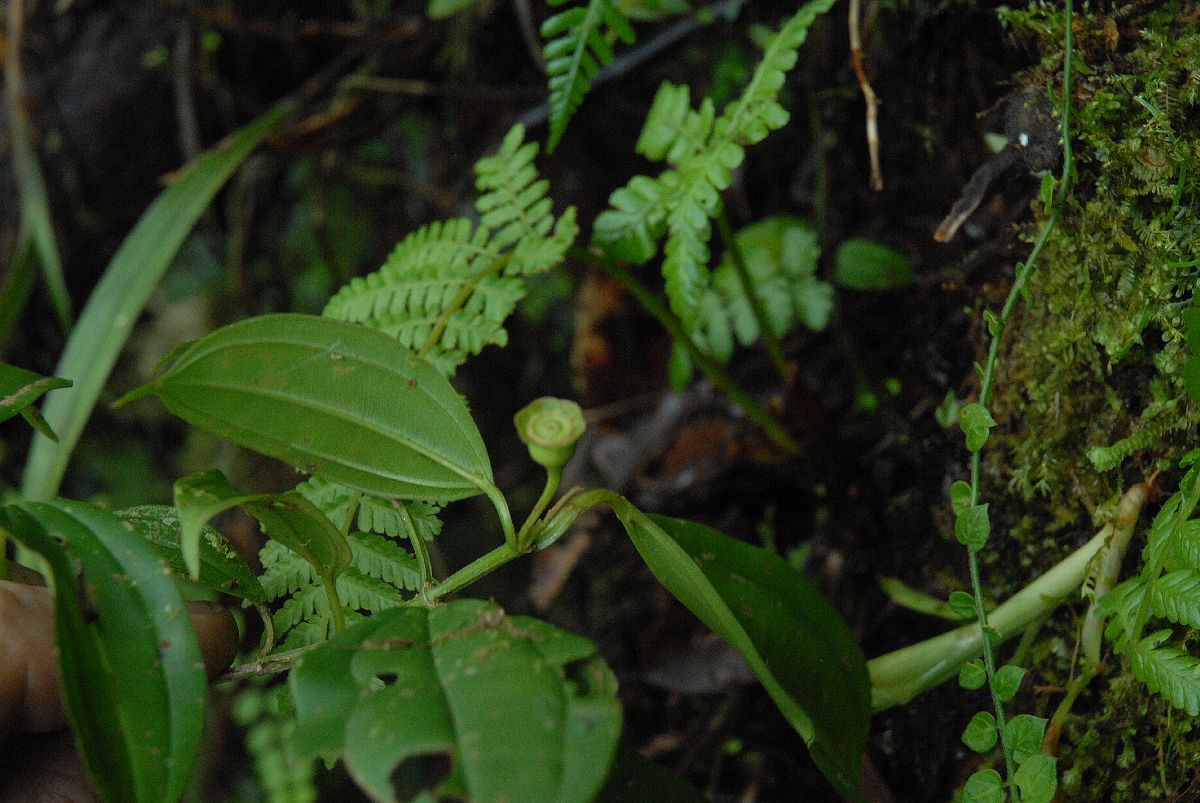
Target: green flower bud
550, 427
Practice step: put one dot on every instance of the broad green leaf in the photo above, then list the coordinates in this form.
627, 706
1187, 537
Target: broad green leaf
985, 786
460, 700
751, 598
637, 779
1037, 778
20, 389
1007, 681
976, 422
133, 678
288, 518
865, 265
131, 276
972, 675
972, 527
1023, 734
980, 734
221, 567
331, 398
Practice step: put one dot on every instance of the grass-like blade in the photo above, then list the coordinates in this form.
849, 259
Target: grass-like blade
128, 281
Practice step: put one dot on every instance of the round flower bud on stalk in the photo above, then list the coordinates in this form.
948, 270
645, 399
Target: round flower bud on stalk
550, 428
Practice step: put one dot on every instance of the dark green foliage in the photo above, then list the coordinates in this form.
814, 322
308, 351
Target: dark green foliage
1098, 368
579, 42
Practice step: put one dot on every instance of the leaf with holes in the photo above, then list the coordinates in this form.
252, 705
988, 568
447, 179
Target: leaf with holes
463, 701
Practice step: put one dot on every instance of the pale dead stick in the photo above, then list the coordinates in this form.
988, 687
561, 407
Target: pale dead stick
860, 71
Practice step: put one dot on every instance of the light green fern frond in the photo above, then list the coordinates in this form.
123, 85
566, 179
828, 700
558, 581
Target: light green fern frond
374, 514
1167, 671
579, 42
269, 732
704, 154
447, 288
673, 131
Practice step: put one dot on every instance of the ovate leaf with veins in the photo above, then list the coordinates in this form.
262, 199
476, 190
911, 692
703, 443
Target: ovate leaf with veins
332, 398
461, 701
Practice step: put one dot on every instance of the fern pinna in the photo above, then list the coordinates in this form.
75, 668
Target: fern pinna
1166, 590
444, 291
703, 150
579, 42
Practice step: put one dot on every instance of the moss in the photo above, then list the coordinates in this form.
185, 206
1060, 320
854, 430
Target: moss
1136, 749
1093, 379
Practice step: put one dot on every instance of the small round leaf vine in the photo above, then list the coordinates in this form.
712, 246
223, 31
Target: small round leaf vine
1029, 776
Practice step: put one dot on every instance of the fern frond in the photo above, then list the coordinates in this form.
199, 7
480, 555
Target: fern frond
631, 229
673, 131
781, 256
375, 514
307, 604
1167, 671
1176, 596
447, 288
690, 194
1187, 544
284, 572
376, 556
362, 592
756, 112
579, 42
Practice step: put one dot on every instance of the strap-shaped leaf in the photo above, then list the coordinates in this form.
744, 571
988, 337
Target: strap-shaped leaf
332, 398
133, 678
793, 639
460, 700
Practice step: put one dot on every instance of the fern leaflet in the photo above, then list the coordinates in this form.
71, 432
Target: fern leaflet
1176, 596
579, 42
1170, 672
781, 257
703, 153
447, 288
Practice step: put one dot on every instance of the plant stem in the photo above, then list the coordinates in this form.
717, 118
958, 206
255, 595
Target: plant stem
420, 550
774, 349
553, 479
481, 566
707, 365
899, 676
335, 603
502, 512
997, 331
